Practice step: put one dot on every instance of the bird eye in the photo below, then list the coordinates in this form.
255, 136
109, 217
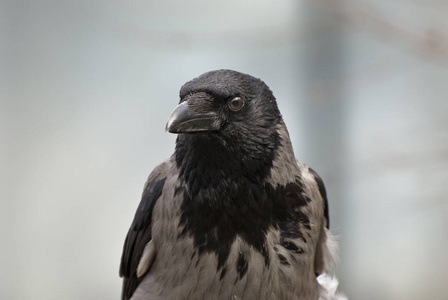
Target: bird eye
236, 103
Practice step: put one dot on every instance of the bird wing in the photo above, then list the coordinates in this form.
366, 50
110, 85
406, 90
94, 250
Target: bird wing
136, 259
323, 193
326, 252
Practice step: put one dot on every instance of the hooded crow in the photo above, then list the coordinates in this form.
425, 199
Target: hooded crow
231, 214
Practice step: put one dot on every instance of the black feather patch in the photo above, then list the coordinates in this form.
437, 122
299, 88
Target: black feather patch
288, 245
223, 273
241, 265
283, 259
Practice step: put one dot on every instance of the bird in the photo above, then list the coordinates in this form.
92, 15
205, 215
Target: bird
232, 214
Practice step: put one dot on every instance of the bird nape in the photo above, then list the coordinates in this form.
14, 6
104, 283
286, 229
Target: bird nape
232, 214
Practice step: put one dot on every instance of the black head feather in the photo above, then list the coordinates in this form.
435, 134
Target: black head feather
259, 115
247, 138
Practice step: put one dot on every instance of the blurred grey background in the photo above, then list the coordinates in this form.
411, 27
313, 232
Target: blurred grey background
87, 86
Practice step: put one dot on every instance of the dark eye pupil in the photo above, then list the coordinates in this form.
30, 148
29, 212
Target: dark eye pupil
236, 103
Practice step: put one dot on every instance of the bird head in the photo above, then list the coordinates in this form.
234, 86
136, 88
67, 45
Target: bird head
225, 103
228, 120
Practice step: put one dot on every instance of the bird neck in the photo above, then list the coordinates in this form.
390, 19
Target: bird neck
209, 161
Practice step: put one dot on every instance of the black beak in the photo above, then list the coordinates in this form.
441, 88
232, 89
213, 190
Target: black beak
185, 120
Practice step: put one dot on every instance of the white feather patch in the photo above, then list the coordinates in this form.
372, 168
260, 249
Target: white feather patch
329, 286
148, 256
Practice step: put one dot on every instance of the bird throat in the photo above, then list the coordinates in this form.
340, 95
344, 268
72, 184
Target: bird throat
215, 170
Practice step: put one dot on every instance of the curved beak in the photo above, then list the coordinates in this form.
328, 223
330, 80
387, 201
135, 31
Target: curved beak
185, 120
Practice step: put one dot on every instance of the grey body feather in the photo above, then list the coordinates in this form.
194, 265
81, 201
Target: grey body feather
177, 272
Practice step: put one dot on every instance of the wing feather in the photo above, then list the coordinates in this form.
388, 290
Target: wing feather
323, 193
139, 234
327, 251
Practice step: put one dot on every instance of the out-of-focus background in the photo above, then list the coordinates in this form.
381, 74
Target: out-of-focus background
87, 86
